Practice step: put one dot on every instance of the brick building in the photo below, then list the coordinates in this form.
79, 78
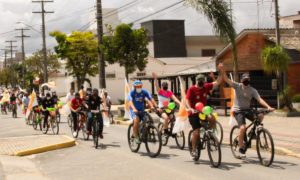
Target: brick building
250, 44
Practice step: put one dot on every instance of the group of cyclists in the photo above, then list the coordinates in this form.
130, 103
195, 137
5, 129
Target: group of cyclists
89, 104
196, 94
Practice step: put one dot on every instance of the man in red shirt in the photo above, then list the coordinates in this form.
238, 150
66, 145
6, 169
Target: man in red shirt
195, 94
75, 105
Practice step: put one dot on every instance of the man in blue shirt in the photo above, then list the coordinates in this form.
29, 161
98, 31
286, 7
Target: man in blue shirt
136, 100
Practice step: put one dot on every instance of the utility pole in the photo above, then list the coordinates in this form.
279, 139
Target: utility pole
43, 12
11, 50
23, 53
277, 22
101, 62
5, 56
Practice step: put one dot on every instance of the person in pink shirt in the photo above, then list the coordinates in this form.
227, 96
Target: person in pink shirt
164, 97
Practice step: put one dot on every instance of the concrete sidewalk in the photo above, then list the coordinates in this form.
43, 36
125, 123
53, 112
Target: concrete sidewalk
27, 145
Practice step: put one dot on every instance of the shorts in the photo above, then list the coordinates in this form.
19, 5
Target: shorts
241, 117
140, 115
163, 110
195, 121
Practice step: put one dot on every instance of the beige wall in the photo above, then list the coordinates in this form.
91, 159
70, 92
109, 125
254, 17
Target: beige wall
288, 22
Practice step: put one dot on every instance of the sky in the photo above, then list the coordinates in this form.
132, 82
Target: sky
73, 15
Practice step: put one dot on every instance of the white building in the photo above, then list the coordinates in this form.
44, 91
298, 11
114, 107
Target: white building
292, 21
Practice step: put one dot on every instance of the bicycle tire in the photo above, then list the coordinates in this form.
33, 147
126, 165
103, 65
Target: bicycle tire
190, 142
58, 117
150, 136
181, 134
34, 122
46, 128
69, 119
220, 132
96, 133
234, 142
258, 147
164, 139
213, 144
54, 125
130, 139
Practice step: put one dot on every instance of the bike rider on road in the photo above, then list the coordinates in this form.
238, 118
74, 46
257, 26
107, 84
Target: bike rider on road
75, 105
137, 99
94, 102
47, 102
198, 94
164, 97
243, 95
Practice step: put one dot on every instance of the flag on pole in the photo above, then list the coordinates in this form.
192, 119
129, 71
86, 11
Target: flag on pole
181, 122
126, 102
32, 103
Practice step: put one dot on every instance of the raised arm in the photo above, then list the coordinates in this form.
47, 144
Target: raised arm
224, 75
154, 75
175, 99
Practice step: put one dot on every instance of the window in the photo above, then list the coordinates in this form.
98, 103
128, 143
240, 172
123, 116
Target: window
111, 75
140, 74
208, 52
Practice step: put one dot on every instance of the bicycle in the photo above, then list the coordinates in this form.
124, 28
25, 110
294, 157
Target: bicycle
148, 134
81, 124
36, 118
14, 109
51, 123
264, 140
179, 137
95, 128
207, 140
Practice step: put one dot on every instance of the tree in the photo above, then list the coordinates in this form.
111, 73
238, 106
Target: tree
128, 47
35, 66
276, 60
219, 15
80, 51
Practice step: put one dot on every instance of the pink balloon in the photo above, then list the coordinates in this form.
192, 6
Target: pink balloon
199, 106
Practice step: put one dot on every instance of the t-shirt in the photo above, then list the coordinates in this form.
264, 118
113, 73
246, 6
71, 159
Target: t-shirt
243, 96
164, 97
196, 94
13, 99
76, 103
138, 99
25, 101
69, 97
48, 103
55, 98
94, 102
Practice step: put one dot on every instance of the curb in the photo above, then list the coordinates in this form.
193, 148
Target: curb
278, 151
47, 148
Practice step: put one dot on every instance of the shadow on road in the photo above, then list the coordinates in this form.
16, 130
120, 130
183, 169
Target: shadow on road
160, 156
112, 145
224, 165
275, 164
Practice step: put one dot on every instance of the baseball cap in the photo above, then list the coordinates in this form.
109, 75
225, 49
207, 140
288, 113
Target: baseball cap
245, 76
200, 77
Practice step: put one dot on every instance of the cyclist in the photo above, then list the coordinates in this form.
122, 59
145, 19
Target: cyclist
164, 97
195, 94
243, 95
25, 101
136, 99
13, 100
70, 95
75, 105
94, 102
55, 97
47, 102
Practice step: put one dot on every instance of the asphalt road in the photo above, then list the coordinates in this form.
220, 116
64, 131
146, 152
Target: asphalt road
114, 160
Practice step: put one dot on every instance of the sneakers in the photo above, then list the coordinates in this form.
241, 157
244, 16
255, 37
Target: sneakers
242, 153
101, 136
74, 134
137, 140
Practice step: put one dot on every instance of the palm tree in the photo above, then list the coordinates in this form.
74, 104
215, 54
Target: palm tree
276, 60
219, 15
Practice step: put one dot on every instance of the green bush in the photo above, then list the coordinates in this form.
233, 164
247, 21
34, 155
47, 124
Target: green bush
296, 98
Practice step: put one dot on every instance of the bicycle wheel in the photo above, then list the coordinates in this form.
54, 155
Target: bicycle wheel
164, 138
265, 147
58, 117
180, 140
190, 141
234, 141
153, 141
218, 131
69, 118
83, 130
34, 122
134, 147
214, 150
54, 125
45, 126
96, 133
